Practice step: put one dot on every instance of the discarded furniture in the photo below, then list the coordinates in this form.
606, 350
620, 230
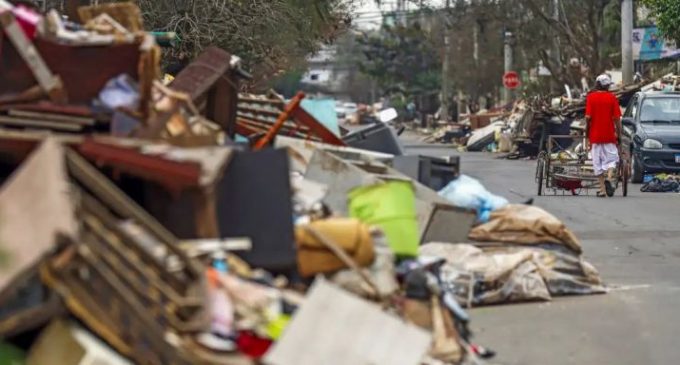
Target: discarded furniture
301, 152
253, 200
433, 172
260, 114
212, 83
378, 137
438, 220
82, 80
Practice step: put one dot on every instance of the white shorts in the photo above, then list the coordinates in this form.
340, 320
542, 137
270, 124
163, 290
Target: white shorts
605, 157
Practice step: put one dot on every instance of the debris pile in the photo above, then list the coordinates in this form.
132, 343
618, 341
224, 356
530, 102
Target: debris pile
524, 130
137, 232
533, 121
661, 183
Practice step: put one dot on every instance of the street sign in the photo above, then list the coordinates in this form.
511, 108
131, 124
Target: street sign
511, 80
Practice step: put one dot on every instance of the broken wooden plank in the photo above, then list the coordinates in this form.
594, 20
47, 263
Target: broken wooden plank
31, 123
51, 117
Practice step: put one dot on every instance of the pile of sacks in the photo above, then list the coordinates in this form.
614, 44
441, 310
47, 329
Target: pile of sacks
522, 253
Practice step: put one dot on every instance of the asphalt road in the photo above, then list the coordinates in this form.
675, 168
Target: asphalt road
635, 244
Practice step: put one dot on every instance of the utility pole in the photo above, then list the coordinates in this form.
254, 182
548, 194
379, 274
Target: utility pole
627, 41
556, 54
475, 39
509, 40
445, 66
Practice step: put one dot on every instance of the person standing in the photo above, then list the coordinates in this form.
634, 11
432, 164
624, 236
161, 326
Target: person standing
603, 129
453, 109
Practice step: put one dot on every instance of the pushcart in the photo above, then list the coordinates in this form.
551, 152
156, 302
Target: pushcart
563, 170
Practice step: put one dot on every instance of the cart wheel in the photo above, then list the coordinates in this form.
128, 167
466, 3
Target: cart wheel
540, 175
625, 177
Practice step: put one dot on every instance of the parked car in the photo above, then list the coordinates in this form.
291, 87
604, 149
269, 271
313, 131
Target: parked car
350, 108
653, 122
340, 109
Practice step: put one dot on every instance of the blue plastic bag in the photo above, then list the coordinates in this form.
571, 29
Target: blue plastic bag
466, 192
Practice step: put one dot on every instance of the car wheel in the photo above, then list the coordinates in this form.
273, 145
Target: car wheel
637, 174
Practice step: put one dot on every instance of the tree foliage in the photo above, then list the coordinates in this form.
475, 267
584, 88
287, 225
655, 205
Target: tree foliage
269, 35
581, 32
402, 59
667, 14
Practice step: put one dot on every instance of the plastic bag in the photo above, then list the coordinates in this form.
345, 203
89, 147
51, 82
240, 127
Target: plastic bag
466, 192
120, 92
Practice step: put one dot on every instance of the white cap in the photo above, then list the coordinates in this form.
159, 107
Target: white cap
604, 80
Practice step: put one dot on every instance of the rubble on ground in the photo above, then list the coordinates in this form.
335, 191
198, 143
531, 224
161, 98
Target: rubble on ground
522, 131
187, 223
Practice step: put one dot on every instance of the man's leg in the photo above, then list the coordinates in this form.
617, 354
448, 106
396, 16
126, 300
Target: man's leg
596, 150
611, 161
601, 180
611, 174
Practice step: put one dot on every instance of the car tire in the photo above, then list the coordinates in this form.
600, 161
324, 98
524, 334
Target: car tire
637, 175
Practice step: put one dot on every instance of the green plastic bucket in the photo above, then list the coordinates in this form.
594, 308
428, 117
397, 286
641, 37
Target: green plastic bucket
10, 355
390, 206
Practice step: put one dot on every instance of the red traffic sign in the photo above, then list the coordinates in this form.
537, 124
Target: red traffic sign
511, 80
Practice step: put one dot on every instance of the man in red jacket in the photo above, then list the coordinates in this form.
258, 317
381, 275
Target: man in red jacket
603, 128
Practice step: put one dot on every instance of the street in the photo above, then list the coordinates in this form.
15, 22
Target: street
632, 242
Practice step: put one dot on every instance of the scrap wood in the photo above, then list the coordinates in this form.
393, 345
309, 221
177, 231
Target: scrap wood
35, 123
105, 24
77, 111
283, 117
120, 203
127, 14
27, 304
52, 117
82, 83
173, 174
262, 112
212, 86
50, 84
30, 94
128, 257
32, 318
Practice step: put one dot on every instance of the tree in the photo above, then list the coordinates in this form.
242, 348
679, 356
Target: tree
269, 35
667, 14
402, 59
580, 31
